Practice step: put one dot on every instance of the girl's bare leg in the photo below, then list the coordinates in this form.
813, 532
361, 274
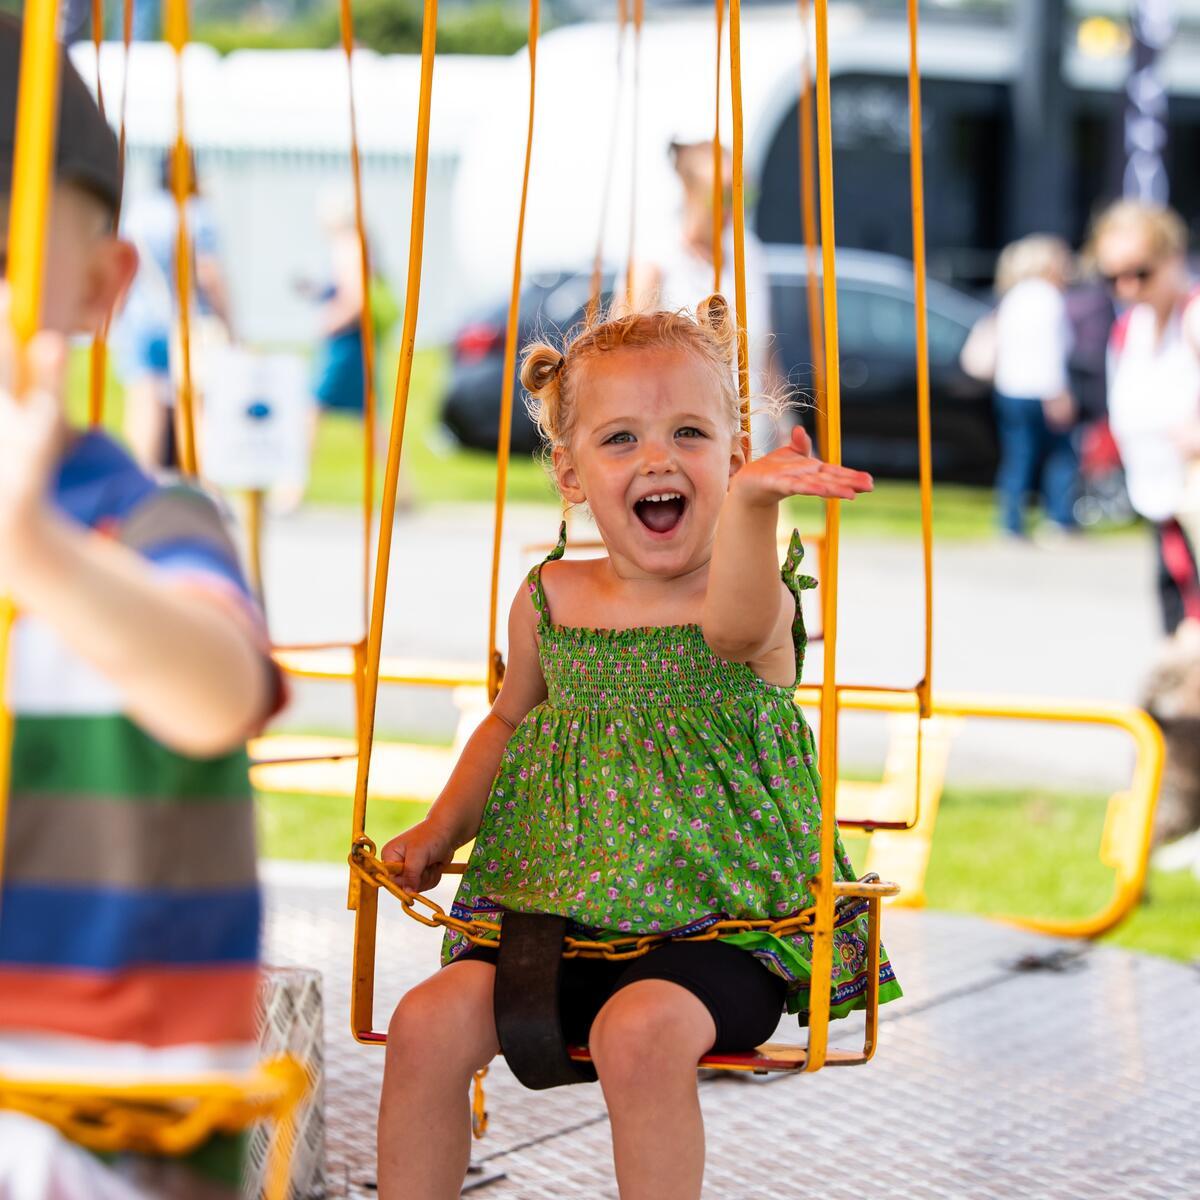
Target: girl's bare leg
645, 1044
441, 1033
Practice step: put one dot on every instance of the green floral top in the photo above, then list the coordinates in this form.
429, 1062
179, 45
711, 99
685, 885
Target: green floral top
659, 789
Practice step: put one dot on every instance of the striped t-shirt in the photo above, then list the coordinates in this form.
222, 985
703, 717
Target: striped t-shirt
129, 912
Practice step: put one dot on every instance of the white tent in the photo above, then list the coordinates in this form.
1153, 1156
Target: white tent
271, 132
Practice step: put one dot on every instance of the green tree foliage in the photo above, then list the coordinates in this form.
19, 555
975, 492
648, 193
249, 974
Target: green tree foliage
488, 29
386, 26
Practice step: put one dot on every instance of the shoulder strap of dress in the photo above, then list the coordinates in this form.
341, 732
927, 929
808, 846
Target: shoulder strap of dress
796, 584
534, 579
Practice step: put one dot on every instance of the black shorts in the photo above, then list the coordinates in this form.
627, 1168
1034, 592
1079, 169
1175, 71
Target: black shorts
744, 998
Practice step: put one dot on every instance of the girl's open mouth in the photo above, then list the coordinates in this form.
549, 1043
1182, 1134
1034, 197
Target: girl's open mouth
661, 512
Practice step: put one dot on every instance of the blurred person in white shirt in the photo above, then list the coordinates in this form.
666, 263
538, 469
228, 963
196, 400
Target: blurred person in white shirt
1154, 387
1034, 407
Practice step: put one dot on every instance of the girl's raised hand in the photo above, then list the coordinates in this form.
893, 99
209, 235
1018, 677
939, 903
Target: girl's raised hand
425, 849
793, 471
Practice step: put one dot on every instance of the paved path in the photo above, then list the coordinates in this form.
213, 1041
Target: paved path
1072, 621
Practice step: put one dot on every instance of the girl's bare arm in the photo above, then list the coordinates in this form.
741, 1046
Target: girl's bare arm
460, 806
747, 612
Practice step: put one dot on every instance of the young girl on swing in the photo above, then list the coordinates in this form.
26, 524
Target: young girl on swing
644, 768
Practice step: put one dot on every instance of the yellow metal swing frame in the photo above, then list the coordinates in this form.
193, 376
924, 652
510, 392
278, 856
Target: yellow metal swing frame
368, 873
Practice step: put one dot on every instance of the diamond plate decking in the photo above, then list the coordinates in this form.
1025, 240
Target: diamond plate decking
1078, 1079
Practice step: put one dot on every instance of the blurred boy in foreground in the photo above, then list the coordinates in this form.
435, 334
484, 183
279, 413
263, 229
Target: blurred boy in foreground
129, 908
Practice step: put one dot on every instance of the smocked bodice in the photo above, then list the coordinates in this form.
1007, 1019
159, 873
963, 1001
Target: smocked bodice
651, 666
668, 666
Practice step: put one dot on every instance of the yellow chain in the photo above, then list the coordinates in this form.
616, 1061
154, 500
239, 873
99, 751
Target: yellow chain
136, 1120
368, 868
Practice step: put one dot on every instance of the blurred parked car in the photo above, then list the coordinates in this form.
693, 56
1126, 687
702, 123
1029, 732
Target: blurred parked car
876, 324
470, 408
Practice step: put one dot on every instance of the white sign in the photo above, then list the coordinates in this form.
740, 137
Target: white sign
256, 420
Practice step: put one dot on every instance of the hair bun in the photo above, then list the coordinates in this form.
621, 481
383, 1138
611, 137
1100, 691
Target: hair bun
540, 367
714, 314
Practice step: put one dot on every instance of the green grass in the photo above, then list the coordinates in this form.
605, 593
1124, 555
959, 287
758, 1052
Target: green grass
317, 828
434, 469
996, 852
1035, 853
893, 509
1042, 854
1168, 920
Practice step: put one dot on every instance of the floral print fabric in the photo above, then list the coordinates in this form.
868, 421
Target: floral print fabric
659, 789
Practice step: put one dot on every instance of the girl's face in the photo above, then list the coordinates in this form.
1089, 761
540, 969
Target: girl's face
652, 455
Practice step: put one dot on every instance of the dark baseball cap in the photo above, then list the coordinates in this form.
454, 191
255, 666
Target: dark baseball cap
86, 148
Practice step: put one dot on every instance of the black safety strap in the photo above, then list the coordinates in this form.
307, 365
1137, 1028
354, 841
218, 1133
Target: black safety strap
526, 1002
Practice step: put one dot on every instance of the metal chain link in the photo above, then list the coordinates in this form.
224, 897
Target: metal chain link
369, 869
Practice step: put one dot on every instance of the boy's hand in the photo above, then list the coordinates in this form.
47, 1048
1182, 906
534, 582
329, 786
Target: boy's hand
31, 433
425, 849
793, 471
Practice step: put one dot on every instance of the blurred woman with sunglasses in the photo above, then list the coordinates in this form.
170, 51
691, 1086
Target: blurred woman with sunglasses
1154, 385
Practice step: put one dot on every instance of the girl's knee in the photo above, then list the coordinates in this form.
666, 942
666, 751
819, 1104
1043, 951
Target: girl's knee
647, 1031
444, 1027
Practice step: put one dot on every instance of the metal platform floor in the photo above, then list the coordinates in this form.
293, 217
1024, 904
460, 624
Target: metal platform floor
1073, 1077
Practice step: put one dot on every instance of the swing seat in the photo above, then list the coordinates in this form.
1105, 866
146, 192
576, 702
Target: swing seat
770, 1057
526, 1004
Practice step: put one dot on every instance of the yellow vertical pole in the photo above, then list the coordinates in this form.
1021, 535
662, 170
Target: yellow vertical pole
495, 671
97, 42
370, 404
808, 210
175, 26
924, 420
822, 956
639, 9
99, 356
254, 529
366, 658
99, 360
29, 207
387, 517
718, 187
739, 212
362, 991
126, 42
